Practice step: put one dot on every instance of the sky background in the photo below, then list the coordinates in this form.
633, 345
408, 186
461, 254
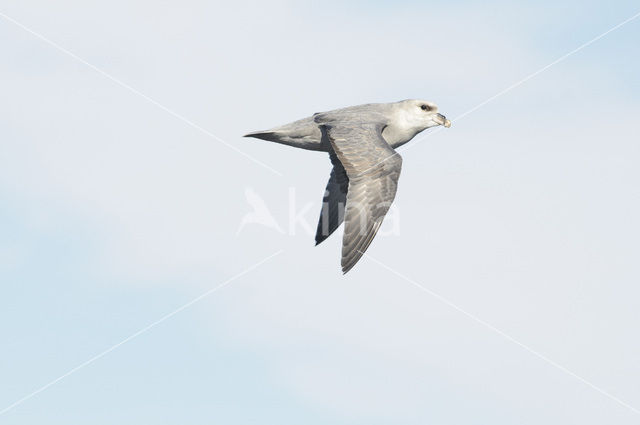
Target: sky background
113, 213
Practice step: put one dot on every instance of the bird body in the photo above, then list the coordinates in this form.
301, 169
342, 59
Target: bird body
400, 128
360, 141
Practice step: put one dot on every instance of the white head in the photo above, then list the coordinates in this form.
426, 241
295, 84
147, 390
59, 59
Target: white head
421, 114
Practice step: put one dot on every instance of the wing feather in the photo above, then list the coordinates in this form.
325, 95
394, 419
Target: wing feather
373, 169
334, 201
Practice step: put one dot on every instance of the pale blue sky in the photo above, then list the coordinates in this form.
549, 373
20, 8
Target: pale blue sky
114, 213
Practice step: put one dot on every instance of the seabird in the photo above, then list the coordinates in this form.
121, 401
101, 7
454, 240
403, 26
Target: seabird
361, 142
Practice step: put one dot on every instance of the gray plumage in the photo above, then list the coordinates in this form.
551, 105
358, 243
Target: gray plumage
334, 200
360, 141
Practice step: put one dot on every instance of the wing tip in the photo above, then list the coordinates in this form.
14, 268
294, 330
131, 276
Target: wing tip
348, 262
346, 270
348, 265
320, 237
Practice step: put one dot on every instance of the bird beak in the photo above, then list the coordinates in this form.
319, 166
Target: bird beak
442, 120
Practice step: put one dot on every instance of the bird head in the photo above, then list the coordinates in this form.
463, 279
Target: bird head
422, 114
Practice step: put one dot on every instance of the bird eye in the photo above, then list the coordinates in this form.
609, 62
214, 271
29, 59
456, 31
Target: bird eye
425, 108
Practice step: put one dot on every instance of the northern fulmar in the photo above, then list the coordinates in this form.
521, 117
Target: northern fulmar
361, 142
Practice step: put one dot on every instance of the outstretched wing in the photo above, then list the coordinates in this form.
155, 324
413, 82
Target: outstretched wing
373, 169
334, 201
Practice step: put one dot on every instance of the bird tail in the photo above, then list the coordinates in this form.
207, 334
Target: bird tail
303, 134
264, 135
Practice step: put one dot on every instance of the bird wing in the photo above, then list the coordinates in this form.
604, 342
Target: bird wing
334, 200
373, 169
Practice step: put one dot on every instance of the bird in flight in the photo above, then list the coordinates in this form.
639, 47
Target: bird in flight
361, 142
